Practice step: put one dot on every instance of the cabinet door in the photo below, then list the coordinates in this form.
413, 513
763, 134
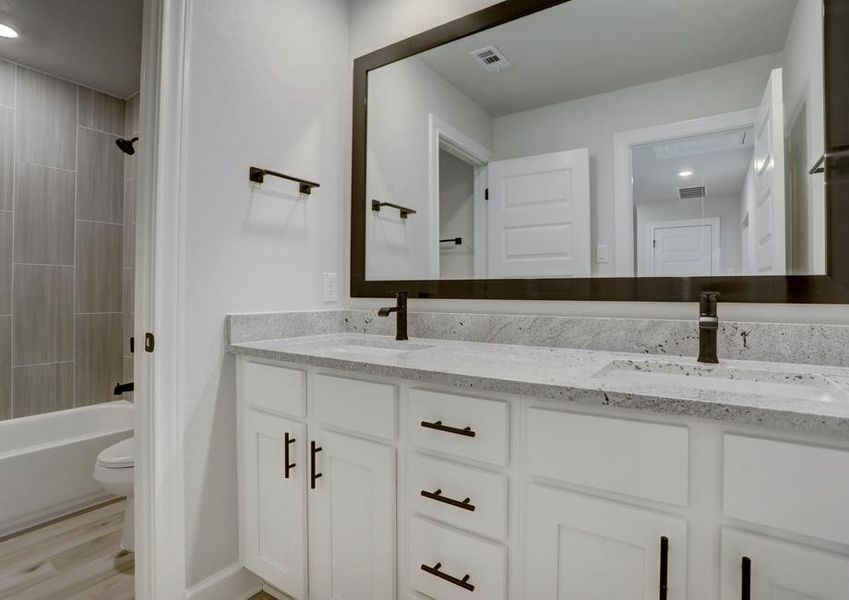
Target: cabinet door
274, 511
582, 548
352, 520
780, 570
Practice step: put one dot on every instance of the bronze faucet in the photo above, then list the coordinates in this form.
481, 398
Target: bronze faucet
708, 326
401, 319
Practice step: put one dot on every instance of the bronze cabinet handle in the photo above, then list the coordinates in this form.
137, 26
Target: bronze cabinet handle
313, 475
437, 495
746, 585
664, 567
287, 468
463, 583
466, 431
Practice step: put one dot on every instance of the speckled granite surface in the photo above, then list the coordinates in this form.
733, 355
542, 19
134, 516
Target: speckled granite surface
781, 396
771, 342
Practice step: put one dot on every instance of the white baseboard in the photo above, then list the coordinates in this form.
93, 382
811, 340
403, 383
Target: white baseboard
230, 583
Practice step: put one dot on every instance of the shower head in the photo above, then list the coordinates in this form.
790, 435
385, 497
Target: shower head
126, 146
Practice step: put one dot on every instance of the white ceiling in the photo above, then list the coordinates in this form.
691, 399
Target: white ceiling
587, 47
93, 42
722, 171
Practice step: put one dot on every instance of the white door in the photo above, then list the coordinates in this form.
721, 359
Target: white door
780, 570
582, 548
352, 520
685, 249
539, 216
274, 515
769, 216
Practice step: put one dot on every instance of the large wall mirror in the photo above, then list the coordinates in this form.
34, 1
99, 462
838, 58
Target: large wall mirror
605, 149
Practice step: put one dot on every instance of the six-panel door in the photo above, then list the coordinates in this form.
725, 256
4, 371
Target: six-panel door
590, 549
352, 519
274, 518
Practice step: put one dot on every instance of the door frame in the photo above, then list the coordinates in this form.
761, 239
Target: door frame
623, 172
714, 222
159, 513
444, 136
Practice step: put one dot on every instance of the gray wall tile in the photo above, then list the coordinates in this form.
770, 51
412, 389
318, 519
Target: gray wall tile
43, 310
5, 263
127, 319
128, 375
100, 111
7, 156
7, 83
99, 364
44, 215
99, 272
47, 120
5, 367
100, 178
128, 290
43, 388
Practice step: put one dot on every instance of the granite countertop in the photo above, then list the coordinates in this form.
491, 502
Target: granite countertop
795, 397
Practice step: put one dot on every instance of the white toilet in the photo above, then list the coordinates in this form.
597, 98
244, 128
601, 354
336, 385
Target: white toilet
114, 470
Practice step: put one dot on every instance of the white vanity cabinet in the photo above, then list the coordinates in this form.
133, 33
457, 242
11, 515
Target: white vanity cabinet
398, 489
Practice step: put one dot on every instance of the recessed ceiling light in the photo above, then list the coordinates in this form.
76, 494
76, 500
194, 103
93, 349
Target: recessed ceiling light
7, 32
685, 173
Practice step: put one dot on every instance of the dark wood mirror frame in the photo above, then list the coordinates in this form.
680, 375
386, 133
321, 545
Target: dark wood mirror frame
832, 288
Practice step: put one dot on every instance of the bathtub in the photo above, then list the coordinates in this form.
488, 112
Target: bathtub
46, 461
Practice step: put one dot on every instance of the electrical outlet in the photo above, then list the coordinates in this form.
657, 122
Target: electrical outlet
601, 254
329, 289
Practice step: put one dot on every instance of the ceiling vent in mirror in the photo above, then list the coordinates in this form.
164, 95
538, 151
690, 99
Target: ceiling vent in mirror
491, 59
686, 193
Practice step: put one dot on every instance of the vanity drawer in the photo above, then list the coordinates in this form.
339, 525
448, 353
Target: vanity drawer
789, 486
456, 555
635, 458
355, 405
484, 513
274, 388
469, 427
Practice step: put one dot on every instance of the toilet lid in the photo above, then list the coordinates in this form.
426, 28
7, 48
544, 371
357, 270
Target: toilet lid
119, 455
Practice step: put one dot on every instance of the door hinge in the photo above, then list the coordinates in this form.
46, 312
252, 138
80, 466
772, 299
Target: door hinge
486, 194
149, 342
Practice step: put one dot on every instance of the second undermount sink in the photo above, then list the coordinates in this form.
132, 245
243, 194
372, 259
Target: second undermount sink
726, 379
375, 348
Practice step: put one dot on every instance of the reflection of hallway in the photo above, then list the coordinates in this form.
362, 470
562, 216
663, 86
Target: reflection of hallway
73, 558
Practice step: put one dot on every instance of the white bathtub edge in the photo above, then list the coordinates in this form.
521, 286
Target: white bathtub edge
41, 517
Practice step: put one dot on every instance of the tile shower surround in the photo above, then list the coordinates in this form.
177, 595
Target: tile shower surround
66, 212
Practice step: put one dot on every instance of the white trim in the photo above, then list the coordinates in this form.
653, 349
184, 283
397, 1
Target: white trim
714, 222
442, 136
230, 583
160, 520
623, 171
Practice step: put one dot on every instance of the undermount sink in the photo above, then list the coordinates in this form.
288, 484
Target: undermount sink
376, 348
734, 380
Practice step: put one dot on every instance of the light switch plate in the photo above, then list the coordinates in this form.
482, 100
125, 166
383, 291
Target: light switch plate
329, 289
601, 254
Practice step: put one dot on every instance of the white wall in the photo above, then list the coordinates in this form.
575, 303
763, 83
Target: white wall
456, 217
401, 98
592, 122
748, 214
268, 85
377, 23
804, 117
726, 208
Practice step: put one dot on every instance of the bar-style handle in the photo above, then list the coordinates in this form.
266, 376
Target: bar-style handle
466, 431
437, 495
313, 474
288, 440
664, 567
746, 585
463, 583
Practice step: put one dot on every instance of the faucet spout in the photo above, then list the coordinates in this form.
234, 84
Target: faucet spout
401, 309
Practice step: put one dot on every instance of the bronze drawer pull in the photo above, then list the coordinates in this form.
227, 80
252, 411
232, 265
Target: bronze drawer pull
463, 583
746, 585
466, 431
664, 567
437, 495
313, 475
287, 441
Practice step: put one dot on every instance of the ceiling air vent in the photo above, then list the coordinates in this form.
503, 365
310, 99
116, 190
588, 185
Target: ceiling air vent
491, 59
691, 192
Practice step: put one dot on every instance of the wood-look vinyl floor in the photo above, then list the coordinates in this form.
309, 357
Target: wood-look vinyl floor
262, 596
76, 558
